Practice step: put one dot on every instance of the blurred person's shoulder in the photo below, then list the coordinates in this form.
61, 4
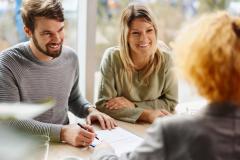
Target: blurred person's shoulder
179, 125
179, 120
184, 135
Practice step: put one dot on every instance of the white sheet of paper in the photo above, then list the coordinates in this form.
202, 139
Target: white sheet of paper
120, 139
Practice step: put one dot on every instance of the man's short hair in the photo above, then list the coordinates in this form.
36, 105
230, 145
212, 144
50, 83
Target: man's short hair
51, 9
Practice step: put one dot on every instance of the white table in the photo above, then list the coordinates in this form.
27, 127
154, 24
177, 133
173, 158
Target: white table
58, 151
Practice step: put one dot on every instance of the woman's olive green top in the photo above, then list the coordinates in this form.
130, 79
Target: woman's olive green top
161, 93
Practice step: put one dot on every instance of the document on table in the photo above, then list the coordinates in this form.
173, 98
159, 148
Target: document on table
120, 139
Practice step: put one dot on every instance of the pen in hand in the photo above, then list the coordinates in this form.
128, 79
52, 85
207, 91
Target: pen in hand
80, 125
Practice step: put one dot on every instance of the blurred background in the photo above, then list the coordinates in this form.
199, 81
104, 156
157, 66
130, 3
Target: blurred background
171, 15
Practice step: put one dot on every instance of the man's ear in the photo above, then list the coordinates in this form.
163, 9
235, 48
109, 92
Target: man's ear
28, 32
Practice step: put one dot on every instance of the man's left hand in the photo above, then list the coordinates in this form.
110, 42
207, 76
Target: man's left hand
105, 121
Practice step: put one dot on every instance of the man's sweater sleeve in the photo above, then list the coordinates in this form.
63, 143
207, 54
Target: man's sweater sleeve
38, 128
9, 93
78, 104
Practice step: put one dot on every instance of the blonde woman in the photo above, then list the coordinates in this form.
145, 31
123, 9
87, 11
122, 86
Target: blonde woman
210, 58
137, 81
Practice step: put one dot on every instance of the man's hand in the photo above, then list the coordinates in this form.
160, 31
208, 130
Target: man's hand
118, 103
105, 121
77, 136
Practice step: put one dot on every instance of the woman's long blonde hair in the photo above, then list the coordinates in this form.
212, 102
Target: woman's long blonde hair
131, 12
208, 52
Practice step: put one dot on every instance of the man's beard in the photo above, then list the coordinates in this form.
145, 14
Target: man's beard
53, 54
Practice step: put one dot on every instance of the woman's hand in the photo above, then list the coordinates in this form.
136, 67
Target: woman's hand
150, 115
119, 102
